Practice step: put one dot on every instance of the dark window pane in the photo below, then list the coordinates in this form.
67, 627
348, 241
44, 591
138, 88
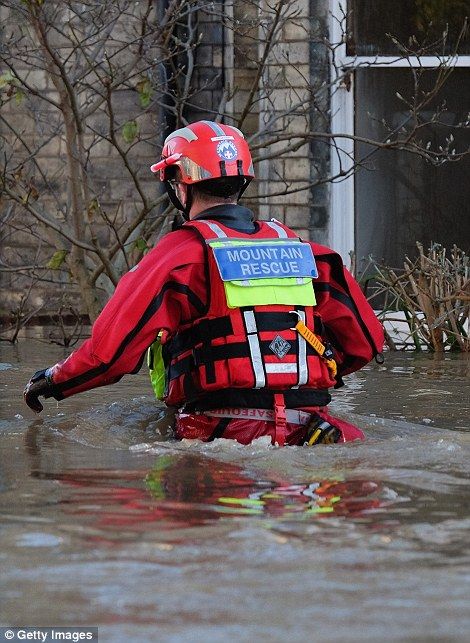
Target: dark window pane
401, 198
426, 20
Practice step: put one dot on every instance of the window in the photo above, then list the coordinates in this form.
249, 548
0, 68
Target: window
397, 198
418, 24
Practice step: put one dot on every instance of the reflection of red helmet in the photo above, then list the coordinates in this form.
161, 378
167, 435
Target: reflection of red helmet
205, 150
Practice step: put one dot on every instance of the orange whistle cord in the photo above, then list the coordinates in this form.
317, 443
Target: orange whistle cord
316, 344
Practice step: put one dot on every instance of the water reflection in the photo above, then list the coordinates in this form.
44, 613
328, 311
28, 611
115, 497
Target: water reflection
96, 530
182, 491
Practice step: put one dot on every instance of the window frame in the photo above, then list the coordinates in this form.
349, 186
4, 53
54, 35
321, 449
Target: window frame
342, 236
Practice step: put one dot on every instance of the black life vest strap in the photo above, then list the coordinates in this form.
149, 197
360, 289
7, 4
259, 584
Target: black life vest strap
206, 355
208, 329
257, 398
203, 332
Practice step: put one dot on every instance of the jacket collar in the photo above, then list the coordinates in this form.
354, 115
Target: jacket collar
233, 216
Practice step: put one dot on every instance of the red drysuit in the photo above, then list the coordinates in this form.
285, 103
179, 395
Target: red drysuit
168, 290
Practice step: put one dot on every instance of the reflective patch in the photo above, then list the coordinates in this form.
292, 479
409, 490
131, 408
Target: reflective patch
280, 347
215, 127
227, 150
265, 261
225, 137
266, 292
184, 132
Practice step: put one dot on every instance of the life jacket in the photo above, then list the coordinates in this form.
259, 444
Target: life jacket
260, 286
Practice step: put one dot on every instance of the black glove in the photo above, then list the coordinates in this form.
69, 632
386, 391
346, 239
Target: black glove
39, 384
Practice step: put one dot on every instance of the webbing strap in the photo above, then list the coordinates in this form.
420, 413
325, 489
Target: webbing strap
280, 419
206, 353
302, 355
255, 348
201, 333
209, 329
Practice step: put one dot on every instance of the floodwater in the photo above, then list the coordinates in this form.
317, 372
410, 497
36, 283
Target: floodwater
106, 521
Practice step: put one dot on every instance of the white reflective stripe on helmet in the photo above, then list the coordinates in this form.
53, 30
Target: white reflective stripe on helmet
184, 132
215, 128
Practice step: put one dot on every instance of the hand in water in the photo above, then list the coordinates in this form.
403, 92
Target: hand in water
39, 385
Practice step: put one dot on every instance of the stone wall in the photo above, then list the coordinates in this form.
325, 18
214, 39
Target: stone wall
290, 94
294, 99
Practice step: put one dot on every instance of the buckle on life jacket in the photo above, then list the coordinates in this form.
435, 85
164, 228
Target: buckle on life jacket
324, 350
280, 419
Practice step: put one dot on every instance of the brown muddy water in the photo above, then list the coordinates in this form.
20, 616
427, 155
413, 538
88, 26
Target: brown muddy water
106, 521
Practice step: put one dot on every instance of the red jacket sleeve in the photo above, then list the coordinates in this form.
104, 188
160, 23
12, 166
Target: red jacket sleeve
165, 288
350, 323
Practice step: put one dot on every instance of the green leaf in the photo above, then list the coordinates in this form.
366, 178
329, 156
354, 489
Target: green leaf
19, 95
145, 91
130, 131
57, 260
7, 79
141, 244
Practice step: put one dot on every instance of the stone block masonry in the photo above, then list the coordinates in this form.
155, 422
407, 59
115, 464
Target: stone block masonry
286, 102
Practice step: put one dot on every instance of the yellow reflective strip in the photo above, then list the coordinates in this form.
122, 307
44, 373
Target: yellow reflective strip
265, 293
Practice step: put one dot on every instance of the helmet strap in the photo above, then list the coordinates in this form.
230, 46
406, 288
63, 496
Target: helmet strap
246, 184
177, 203
189, 201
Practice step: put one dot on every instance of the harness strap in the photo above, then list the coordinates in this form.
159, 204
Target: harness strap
255, 348
302, 355
280, 419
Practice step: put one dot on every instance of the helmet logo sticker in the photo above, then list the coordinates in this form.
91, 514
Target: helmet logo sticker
227, 150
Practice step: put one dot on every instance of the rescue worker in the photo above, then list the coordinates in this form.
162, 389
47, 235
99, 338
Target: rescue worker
248, 326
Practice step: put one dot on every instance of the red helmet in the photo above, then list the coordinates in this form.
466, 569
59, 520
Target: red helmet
205, 150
